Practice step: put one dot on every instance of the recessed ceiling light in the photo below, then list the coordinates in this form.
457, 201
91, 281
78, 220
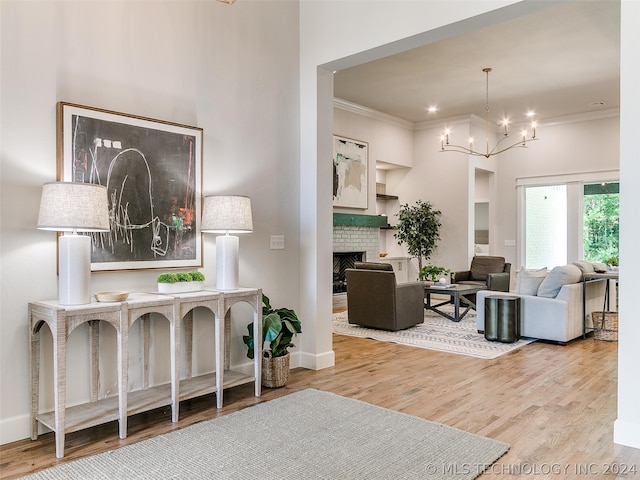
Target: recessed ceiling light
432, 109
531, 113
596, 104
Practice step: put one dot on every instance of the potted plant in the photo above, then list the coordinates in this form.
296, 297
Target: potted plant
180, 282
279, 326
433, 273
418, 227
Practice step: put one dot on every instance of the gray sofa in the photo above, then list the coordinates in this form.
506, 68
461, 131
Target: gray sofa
551, 306
374, 299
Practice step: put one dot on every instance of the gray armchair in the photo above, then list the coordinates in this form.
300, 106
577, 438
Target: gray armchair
374, 299
491, 272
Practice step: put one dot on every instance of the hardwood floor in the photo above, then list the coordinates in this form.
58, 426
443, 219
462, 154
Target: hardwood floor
554, 405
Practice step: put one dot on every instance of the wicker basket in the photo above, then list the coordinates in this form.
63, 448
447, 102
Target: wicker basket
275, 370
605, 326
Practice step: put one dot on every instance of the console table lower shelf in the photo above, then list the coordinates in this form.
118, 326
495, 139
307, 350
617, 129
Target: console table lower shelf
105, 410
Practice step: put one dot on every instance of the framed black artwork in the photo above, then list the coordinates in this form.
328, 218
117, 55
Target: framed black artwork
153, 172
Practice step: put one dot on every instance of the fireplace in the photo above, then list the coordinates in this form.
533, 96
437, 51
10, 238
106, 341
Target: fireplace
342, 261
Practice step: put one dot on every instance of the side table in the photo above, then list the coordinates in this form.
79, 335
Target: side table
502, 318
595, 277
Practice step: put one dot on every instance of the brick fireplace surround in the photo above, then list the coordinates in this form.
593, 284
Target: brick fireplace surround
348, 238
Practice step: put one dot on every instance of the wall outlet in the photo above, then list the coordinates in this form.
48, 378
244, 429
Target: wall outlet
509, 243
277, 242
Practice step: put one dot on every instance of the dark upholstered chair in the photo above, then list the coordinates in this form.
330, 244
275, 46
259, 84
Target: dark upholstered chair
374, 300
492, 272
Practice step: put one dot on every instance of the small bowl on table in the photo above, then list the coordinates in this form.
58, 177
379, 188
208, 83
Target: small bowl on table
111, 296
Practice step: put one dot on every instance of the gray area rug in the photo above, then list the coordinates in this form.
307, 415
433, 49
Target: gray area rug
305, 435
436, 333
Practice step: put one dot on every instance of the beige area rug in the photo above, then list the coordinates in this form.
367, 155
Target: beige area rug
307, 435
436, 333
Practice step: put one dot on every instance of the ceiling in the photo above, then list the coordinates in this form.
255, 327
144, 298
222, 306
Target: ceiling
561, 61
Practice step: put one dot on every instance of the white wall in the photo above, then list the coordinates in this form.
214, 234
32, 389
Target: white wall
385, 23
248, 122
627, 425
232, 70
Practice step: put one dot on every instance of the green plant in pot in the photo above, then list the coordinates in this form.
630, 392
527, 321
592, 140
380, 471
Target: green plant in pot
612, 261
433, 273
180, 277
419, 228
279, 326
180, 282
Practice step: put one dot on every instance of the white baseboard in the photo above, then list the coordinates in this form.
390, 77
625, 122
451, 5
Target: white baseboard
626, 433
317, 361
15, 428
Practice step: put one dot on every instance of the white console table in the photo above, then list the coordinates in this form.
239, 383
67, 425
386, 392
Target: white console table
177, 308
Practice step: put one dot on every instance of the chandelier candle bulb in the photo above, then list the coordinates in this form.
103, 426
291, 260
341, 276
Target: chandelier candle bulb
500, 146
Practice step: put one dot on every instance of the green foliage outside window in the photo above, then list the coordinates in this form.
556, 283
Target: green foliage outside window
601, 227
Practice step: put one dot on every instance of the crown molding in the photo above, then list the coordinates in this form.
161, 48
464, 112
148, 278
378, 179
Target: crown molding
448, 121
471, 118
370, 113
580, 117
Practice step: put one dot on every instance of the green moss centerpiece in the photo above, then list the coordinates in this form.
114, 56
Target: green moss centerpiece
180, 282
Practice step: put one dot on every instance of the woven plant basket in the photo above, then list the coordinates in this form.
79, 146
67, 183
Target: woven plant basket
605, 326
275, 370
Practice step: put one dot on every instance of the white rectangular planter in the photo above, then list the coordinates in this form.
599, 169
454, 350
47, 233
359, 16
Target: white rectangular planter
180, 287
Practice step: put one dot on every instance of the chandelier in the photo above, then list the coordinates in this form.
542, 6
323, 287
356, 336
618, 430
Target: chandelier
500, 146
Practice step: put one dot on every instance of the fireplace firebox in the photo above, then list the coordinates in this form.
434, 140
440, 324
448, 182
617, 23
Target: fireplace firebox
342, 261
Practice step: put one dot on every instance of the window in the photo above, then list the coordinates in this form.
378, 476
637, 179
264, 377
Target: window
564, 218
545, 226
601, 222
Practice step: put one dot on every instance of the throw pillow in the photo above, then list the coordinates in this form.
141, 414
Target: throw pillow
556, 278
528, 281
599, 267
585, 267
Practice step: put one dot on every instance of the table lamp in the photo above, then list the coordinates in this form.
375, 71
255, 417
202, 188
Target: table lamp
71, 208
227, 214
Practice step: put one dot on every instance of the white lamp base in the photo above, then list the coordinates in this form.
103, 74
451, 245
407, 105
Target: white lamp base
74, 281
227, 262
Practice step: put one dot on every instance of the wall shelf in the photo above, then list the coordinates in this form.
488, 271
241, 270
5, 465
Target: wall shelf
383, 196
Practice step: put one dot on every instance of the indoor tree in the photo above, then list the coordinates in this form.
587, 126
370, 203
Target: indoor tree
418, 227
